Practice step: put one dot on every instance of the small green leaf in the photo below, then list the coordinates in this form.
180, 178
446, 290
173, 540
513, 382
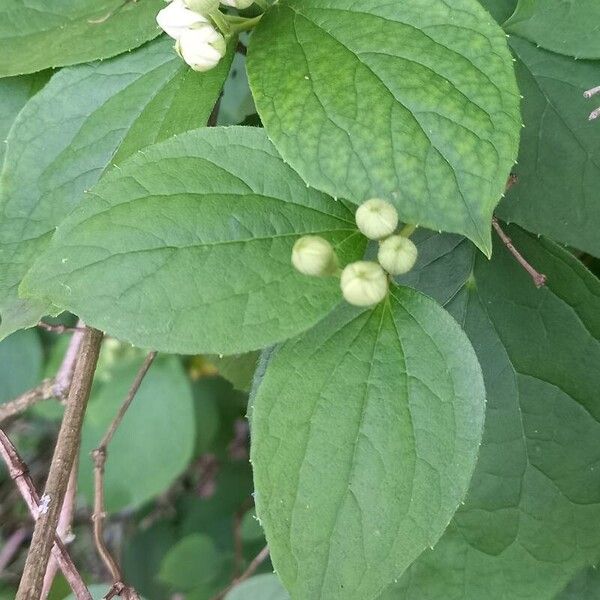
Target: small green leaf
261, 587
559, 161
161, 419
531, 519
365, 432
415, 102
20, 364
237, 369
54, 33
564, 26
85, 118
187, 247
192, 562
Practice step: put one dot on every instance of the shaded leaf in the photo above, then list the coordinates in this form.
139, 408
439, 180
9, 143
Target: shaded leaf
559, 160
20, 364
365, 431
190, 245
563, 26
530, 520
414, 103
86, 118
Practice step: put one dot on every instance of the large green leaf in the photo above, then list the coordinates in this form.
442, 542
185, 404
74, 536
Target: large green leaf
415, 102
559, 160
585, 586
85, 118
531, 519
565, 26
37, 34
187, 247
20, 363
155, 440
365, 432
14, 93
500, 9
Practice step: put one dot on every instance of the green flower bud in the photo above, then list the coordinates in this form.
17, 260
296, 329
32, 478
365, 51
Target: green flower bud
377, 218
397, 254
364, 283
313, 255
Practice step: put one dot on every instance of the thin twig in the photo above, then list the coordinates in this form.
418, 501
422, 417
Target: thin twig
64, 376
591, 93
99, 456
12, 546
19, 473
58, 328
43, 391
64, 528
256, 562
539, 279
60, 469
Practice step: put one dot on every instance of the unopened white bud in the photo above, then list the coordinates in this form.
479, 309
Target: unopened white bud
203, 7
239, 4
176, 18
364, 283
202, 47
313, 255
377, 218
397, 254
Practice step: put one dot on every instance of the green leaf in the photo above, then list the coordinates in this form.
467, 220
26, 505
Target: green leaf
500, 9
160, 419
237, 369
559, 160
564, 26
415, 102
531, 519
20, 364
260, 587
187, 247
84, 119
192, 562
14, 93
585, 586
365, 433
54, 33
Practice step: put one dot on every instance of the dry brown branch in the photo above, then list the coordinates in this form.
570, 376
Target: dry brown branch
67, 447
19, 473
539, 279
43, 391
99, 456
12, 546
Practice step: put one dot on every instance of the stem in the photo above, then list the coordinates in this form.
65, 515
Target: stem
19, 472
64, 376
60, 469
11, 547
408, 230
590, 93
44, 391
99, 456
539, 279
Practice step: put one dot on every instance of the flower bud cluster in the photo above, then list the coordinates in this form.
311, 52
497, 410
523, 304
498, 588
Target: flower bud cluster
189, 23
363, 283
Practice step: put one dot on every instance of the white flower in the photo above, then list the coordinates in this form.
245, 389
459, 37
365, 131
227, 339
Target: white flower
201, 47
376, 218
313, 255
177, 18
364, 283
239, 4
397, 255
